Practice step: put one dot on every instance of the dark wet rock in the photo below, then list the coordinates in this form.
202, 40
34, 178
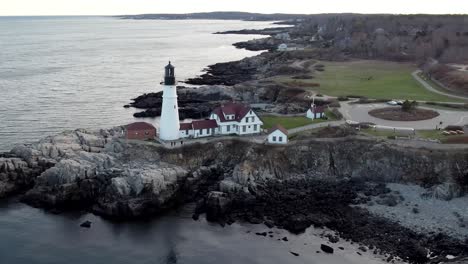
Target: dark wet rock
265, 31
326, 249
255, 220
217, 203
261, 234
297, 223
287, 202
333, 239
294, 253
341, 248
388, 200
285, 239
269, 223
86, 224
363, 248
415, 210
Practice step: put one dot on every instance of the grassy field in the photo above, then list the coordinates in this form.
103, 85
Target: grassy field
372, 79
288, 122
426, 134
385, 134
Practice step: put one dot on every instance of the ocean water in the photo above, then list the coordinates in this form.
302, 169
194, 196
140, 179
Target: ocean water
32, 236
59, 73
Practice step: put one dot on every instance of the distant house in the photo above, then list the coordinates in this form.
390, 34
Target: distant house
315, 112
289, 47
278, 135
140, 131
283, 47
228, 119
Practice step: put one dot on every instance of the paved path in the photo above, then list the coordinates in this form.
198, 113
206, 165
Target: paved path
312, 126
189, 141
360, 113
432, 89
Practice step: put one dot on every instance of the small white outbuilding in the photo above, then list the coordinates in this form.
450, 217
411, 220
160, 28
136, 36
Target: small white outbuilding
315, 112
278, 135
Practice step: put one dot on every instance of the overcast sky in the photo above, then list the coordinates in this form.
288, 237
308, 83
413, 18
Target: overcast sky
118, 7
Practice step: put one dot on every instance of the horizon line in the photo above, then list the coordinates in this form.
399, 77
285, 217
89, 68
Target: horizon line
275, 13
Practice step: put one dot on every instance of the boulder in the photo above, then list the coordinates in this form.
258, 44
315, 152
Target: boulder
216, 205
86, 224
326, 249
446, 191
297, 223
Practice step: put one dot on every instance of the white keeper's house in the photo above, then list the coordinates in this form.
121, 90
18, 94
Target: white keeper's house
228, 119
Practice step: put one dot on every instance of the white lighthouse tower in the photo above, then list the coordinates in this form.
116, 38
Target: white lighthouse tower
169, 124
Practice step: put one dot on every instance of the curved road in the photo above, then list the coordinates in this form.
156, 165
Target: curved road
360, 113
432, 89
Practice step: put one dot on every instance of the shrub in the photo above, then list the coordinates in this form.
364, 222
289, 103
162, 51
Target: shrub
336, 113
408, 106
454, 128
343, 98
334, 104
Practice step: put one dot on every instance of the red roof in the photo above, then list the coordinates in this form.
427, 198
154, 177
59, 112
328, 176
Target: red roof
236, 109
280, 128
139, 126
318, 109
185, 126
201, 124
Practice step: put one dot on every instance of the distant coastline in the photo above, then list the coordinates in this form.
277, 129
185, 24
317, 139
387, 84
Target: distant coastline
219, 15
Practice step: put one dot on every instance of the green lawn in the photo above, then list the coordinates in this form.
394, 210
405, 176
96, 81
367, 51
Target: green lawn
372, 79
431, 134
375, 133
427, 134
288, 122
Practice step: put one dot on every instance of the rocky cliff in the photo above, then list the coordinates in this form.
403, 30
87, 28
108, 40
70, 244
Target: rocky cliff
100, 170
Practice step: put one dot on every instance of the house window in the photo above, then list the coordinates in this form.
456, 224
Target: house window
146, 133
274, 138
228, 128
250, 112
186, 132
253, 118
244, 128
201, 131
280, 139
246, 119
249, 127
255, 127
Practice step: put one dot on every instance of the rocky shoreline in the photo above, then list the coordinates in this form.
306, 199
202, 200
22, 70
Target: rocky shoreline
307, 183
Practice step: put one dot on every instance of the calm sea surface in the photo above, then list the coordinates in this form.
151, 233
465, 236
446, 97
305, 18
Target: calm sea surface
59, 73
67, 73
